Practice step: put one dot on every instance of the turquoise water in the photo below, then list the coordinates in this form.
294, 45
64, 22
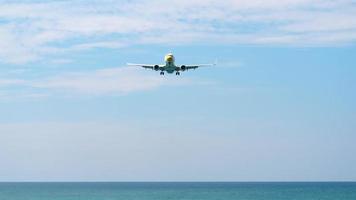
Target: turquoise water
173, 191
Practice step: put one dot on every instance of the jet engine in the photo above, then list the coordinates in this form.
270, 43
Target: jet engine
183, 68
156, 67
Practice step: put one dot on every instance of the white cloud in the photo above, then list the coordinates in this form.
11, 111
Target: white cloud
11, 95
329, 22
112, 81
11, 82
12, 49
29, 31
90, 45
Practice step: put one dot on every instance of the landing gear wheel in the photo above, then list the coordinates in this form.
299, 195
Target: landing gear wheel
177, 73
162, 73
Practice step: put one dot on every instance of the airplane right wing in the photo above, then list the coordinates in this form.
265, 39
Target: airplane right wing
147, 66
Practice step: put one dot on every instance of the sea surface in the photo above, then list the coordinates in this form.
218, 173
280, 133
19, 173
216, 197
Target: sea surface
182, 191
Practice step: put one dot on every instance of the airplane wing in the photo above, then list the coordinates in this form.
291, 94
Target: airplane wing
186, 67
147, 66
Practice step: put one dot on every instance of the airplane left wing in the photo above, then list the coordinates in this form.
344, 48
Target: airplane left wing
186, 67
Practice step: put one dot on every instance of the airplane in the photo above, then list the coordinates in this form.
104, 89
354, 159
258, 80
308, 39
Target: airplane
170, 66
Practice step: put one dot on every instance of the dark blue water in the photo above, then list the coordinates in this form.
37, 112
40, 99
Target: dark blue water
173, 191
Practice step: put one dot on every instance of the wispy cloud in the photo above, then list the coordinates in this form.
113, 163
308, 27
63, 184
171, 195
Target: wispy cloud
11, 82
28, 31
112, 81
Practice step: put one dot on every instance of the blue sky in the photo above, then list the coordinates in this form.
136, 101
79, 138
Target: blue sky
279, 106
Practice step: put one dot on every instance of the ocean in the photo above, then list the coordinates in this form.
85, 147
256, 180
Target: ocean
179, 190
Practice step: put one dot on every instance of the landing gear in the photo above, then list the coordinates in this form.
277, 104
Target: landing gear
162, 73
177, 73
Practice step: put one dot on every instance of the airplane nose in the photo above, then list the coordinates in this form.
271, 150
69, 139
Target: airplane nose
170, 58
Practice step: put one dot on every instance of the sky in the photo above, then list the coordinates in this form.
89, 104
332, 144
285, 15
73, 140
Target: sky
279, 106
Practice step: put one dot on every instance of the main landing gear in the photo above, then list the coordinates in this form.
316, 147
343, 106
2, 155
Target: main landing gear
177, 73
162, 73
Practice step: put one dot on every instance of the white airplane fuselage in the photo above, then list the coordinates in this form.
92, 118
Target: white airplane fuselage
170, 67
